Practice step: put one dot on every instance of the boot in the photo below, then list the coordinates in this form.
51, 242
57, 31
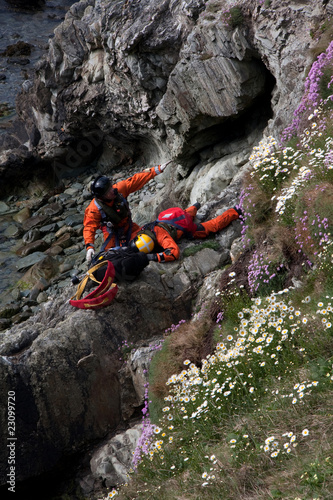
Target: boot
238, 210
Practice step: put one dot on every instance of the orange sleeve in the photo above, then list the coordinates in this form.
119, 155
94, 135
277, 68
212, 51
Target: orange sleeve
136, 182
171, 250
92, 217
91, 222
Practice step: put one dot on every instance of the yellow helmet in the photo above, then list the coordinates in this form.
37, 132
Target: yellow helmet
144, 243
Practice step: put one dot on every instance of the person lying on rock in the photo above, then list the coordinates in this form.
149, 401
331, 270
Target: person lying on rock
109, 210
162, 234
128, 261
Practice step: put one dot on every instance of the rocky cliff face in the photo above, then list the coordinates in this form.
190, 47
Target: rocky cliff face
136, 83
140, 80
63, 364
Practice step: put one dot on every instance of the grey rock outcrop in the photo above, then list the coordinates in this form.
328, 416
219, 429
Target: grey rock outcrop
112, 462
153, 81
64, 364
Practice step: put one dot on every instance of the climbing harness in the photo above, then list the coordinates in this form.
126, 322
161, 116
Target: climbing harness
112, 216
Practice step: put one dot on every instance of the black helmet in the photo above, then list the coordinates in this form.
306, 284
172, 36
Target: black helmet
100, 185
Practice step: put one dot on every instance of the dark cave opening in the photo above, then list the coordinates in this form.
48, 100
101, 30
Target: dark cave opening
230, 129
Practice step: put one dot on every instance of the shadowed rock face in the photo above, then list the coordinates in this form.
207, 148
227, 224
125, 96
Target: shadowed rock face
158, 73
32, 4
84, 388
157, 80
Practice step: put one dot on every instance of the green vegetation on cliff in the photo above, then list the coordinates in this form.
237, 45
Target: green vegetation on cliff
253, 419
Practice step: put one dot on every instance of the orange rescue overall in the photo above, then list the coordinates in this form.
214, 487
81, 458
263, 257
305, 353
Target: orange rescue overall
168, 244
93, 218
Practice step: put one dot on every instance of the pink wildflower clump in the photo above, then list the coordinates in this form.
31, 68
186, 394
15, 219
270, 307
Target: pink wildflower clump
174, 327
260, 271
245, 204
310, 241
143, 444
311, 98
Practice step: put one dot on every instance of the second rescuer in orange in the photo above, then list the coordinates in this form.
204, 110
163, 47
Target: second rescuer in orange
159, 240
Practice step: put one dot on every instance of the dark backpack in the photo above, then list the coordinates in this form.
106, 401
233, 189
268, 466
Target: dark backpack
128, 263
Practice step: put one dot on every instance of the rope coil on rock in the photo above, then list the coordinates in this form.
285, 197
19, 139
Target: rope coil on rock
102, 295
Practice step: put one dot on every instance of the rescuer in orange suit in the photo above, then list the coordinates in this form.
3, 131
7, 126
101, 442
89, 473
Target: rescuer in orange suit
160, 236
109, 210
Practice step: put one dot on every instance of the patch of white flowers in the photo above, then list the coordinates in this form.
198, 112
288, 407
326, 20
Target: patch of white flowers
292, 190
